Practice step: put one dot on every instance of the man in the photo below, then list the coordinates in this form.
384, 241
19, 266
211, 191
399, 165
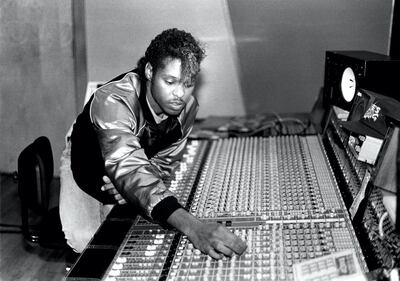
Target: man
134, 130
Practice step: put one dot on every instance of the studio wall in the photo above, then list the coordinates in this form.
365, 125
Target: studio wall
281, 45
37, 94
262, 55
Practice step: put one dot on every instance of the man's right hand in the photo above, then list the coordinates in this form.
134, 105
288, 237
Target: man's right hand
212, 239
217, 241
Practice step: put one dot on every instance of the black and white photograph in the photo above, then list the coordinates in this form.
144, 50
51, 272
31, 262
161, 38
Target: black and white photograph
183, 140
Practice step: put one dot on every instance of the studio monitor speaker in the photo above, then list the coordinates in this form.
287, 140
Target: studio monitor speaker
347, 71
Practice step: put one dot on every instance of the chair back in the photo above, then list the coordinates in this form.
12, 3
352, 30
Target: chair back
35, 173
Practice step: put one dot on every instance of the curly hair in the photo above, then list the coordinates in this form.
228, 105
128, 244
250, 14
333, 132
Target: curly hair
175, 44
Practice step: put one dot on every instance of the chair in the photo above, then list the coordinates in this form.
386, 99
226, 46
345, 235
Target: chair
35, 175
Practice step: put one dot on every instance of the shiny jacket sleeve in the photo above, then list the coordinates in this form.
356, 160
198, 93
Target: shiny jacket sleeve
118, 125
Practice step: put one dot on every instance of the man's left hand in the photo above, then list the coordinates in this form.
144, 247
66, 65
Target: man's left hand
110, 188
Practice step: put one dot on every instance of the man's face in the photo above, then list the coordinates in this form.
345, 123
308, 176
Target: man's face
169, 90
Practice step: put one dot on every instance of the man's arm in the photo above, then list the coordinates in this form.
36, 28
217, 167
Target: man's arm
115, 116
212, 239
138, 180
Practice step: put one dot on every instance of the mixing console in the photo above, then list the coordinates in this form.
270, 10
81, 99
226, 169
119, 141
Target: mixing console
283, 175
273, 248
277, 193
380, 251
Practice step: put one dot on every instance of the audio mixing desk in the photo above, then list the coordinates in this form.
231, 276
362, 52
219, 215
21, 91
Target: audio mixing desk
277, 193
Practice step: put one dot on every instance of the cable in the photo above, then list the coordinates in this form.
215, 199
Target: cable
296, 120
258, 124
248, 134
278, 117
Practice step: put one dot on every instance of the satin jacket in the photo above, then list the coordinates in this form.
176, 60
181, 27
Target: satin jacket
116, 135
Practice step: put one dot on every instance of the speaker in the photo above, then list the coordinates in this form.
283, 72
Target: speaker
347, 71
362, 101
